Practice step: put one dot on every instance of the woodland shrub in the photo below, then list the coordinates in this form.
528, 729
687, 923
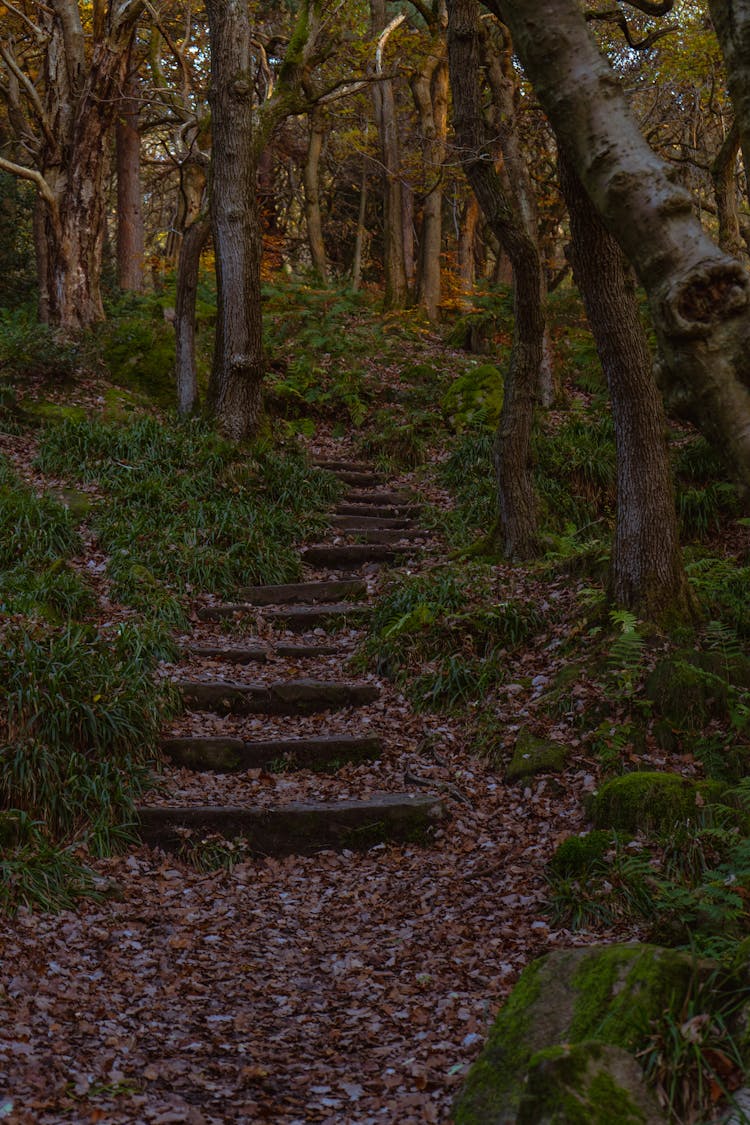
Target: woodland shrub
189, 511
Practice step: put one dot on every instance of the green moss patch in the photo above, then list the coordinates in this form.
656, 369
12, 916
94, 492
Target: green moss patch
608, 994
587, 1084
534, 755
651, 802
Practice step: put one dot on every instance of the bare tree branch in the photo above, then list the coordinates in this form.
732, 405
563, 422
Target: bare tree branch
614, 15
35, 177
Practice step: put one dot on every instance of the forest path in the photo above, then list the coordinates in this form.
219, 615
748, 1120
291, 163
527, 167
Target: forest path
382, 531
352, 986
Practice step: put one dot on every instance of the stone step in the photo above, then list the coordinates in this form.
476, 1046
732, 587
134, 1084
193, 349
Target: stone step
353, 554
380, 498
392, 511
372, 522
237, 655
384, 535
301, 828
300, 619
347, 466
359, 480
228, 655
332, 591
297, 618
228, 755
287, 697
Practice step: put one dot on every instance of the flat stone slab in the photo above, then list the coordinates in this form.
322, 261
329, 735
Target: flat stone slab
347, 466
385, 535
301, 828
294, 652
353, 554
287, 697
231, 755
392, 511
298, 618
304, 592
228, 655
378, 498
357, 479
372, 522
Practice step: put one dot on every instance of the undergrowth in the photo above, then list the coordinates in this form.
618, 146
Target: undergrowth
188, 511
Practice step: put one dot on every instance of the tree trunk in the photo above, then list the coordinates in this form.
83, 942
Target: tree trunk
384, 103
311, 179
238, 368
359, 242
188, 267
503, 212
430, 90
466, 248
646, 574
130, 235
42, 266
731, 20
698, 294
725, 192
190, 193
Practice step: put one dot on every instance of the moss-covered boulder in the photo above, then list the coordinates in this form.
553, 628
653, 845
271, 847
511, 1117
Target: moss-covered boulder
606, 994
648, 801
578, 855
689, 688
474, 333
587, 1084
474, 398
534, 755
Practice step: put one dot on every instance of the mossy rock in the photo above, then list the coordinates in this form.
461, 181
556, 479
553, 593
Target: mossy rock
79, 504
474, 333
140, 355
607, 994
121, 404
474, 398
53, 411
577, 855
652, 802
690, 688
535, 755
587, 1083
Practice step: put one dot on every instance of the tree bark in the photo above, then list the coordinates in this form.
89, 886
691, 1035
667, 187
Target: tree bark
466, 247
430, 90
73, 97
238, 368
646, 574
698, 294
193, 243
359, 242
731, 20
384, 103
311, 180
504, 214
725, 192
130, 235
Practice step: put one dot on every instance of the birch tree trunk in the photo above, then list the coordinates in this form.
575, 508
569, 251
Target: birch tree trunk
697, 293
646, 573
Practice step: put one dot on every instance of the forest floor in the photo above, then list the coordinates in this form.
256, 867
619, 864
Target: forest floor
343, 988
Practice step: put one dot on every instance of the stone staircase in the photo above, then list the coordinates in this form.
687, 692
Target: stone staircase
379, 528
